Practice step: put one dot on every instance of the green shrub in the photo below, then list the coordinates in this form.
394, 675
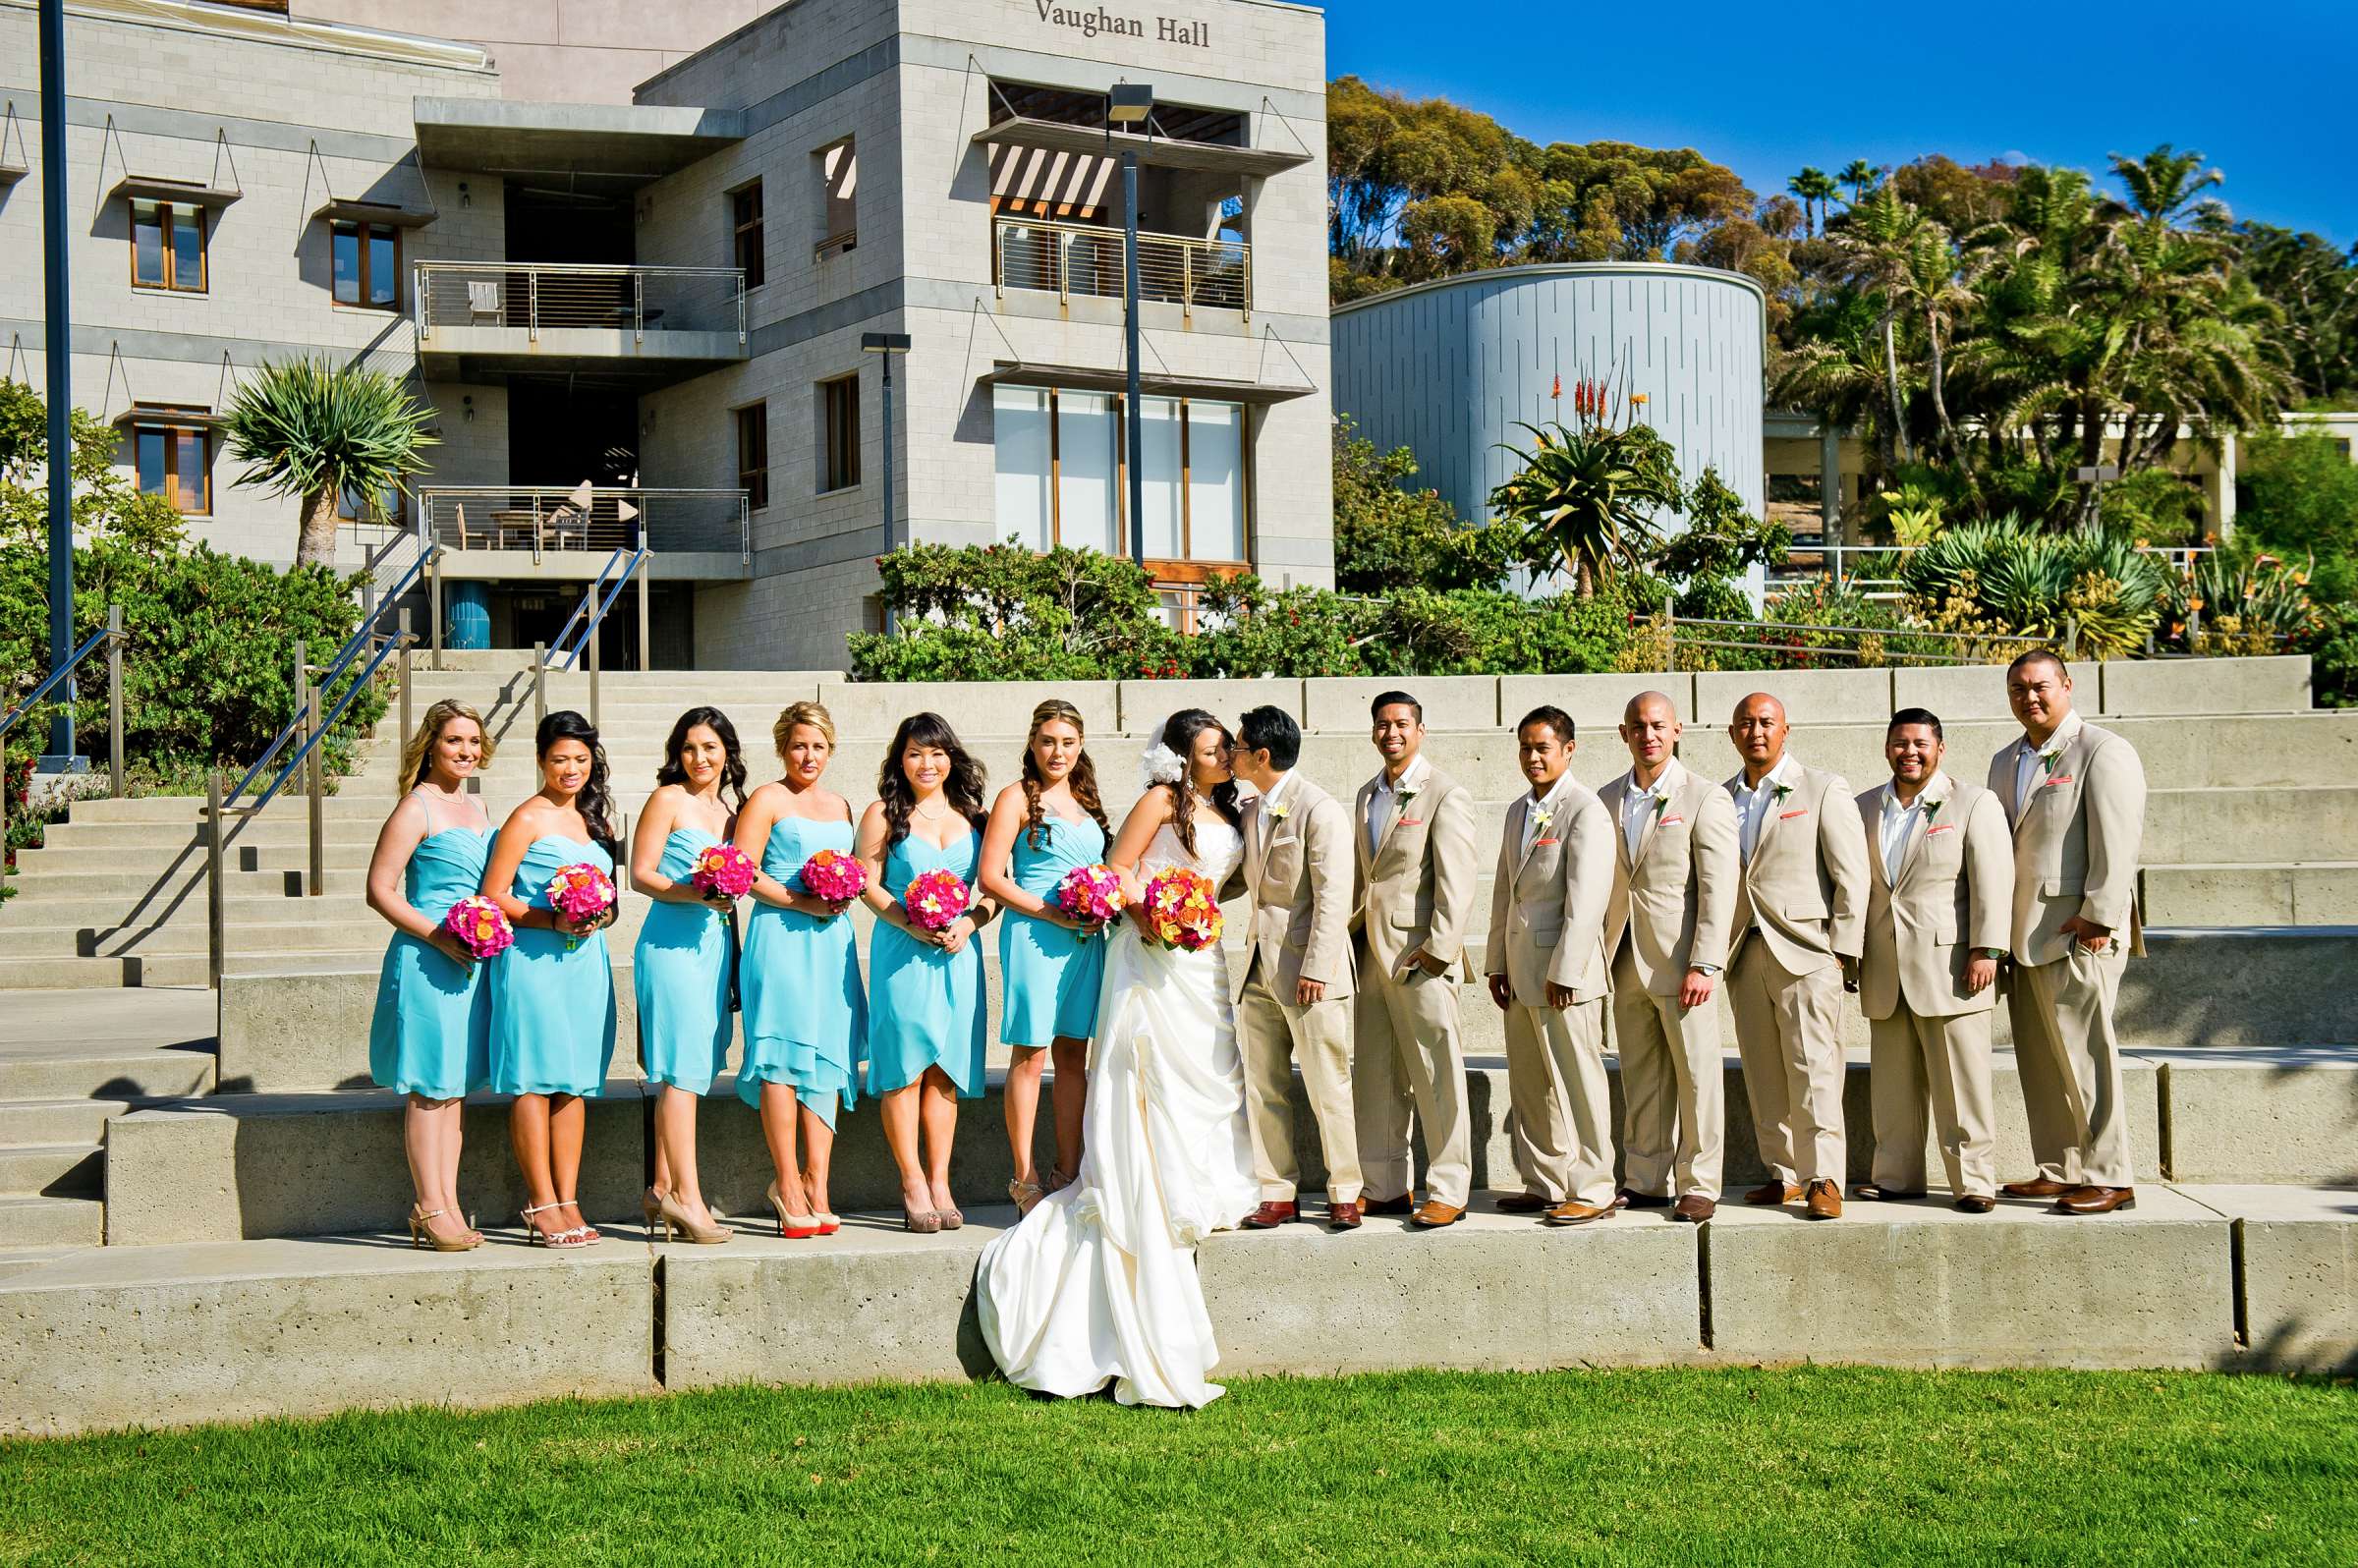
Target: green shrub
1389, 536
1001, 612
2297, 497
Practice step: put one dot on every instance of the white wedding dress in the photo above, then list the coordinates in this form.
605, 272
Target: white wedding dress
1098, 1283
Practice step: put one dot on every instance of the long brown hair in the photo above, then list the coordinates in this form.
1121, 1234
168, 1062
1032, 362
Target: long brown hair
963, 789
1179, 733
430, 730
1084, 777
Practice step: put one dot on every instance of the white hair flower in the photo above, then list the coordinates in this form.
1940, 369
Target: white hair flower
1159, 764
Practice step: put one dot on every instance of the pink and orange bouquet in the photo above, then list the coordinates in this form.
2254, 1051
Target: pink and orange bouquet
579, 893
725, 869
1091, 894
480, 926
836, 877
1184, 908
936, 899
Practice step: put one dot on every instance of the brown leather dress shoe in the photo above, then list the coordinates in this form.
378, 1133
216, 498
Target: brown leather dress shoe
1825, 1200
1433, 1215
2095, 1200
2036, 1187
1268, 1216
1693, 1209
1389, 1207
1343, 1216
1572, 1212
1773, 1192
1631, 1198
1974, 1204
1870, 1193
1525, 1203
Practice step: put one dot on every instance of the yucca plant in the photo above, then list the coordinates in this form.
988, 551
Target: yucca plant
1586, 498
318, 431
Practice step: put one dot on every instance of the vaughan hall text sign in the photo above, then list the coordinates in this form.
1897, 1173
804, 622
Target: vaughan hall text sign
1092, 20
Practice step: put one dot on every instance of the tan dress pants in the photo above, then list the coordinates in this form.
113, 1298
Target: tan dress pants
1409, 1052
1673, 1116
1270, 1037
1564, 1104
2069, 1059
1939, 1066
1789, 1034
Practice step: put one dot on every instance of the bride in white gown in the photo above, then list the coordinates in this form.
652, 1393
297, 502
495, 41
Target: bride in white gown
1098, 1283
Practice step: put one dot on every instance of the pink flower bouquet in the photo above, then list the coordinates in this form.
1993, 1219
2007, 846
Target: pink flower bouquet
836, 877
480, 928
935, 900
723, 868
579, 893
1185, 910
1091, 894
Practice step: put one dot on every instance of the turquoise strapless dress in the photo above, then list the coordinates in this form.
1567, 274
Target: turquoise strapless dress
1051, 974
805, 1015
552, 1007
431, 1032
680, 972
924, 1005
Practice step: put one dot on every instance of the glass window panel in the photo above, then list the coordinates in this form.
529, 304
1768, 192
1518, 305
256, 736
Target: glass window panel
1216, 466
1086, 494
152, 473
1020, 432
1161, 475
188, 248
347, 264
146, 243
189, 472
384, 268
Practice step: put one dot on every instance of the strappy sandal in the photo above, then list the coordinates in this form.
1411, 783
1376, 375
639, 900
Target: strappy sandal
422, 1232
1024, 1194
1058, 1180
537, 1237
589, 1234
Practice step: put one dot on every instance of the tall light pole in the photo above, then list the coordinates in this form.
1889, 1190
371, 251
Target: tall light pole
58, 346
885, 345
1132, 104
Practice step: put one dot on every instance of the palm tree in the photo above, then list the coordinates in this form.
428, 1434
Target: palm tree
1860, 176
322, 431
1586, 498
2164, 182
1881, 247
1814, 185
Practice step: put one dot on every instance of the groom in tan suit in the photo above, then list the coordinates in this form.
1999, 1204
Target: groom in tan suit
1293, 990
1416, 874
1801, 907
1938, 904
1666, 934
2075, 797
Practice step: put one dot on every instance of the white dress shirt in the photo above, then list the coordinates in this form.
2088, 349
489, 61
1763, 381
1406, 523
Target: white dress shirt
1380, 801
1637, 801
1754, 802
1898, 821
1551, 803
2027, 773
1269, 806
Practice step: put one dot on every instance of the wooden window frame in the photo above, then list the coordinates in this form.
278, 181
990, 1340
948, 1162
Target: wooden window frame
173, 434
1185, 568
362, 234
752, 478
835, 242
832, 446
165, 211
743, 229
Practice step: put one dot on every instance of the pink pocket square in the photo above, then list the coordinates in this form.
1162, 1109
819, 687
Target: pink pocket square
2059, 778
1787, 816
1670, 821
1945, 827
1411, 821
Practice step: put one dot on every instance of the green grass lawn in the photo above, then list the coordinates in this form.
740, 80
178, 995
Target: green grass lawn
1814, 1464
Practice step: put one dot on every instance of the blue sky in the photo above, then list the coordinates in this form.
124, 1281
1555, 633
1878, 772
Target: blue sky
2263, 88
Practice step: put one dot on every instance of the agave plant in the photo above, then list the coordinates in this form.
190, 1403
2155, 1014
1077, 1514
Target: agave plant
320, 432
2093, 585
1586, 498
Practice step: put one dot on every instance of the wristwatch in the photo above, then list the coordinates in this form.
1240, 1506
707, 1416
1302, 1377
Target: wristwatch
1989, 952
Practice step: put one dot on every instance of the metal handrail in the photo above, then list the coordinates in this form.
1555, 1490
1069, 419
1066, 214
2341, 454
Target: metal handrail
113, 638
568, 646
541, 518
64, 671
1965, 640
1039, 253
560, 294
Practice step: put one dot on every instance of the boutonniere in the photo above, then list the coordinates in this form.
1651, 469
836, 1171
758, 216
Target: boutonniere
1279, 811
1780, 791
2049, 758
1407, 792
1932, 811
1540, 816
1662, 803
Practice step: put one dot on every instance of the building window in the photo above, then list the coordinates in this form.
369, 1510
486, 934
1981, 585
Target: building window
838, 434
167, 246
366, 265
837, 167
745, 209
1060, 474
752, 454
175, 462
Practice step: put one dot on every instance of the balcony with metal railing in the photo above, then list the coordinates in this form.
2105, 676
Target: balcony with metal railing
1069, 258
509, 316
519, 532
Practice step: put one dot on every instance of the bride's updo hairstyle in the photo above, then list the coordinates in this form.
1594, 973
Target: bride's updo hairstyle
1179, 733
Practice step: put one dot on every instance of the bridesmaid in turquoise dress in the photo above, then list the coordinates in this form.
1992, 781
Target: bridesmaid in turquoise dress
552, 994
1050, 964
924, 994
685, 966
806, 1014
431, 1037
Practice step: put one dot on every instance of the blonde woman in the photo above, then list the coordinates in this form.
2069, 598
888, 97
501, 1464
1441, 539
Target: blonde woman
431, 1037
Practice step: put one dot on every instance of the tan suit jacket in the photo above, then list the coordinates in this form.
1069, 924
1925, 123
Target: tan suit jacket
1954, 896
1547, 905
1805, 887
1675, 899
1416, 888
1298, 869
2076, 844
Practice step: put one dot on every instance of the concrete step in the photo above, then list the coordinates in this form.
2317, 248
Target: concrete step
109, 1072
51, 1169
23, 1259
80, 1122
2219, 894
45, 1223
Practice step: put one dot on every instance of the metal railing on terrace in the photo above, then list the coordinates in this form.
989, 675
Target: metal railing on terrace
1873, 569
1069, 258
551, 297
537, 521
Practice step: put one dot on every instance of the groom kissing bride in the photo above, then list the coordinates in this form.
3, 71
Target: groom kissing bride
1097, 1285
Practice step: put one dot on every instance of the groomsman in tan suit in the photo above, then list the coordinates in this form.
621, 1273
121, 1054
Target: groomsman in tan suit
1417, 876
1665, 938
2075, 797
1546, 972
1293, 990
1801, 907
1938, 904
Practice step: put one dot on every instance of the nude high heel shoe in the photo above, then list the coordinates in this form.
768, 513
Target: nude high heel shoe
677, 1219
421, 1233
794, 1227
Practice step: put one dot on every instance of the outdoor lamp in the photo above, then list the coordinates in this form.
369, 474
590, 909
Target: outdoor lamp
1129, 103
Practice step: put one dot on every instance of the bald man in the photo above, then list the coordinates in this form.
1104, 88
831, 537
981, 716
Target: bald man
1801, 920
1666, 930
